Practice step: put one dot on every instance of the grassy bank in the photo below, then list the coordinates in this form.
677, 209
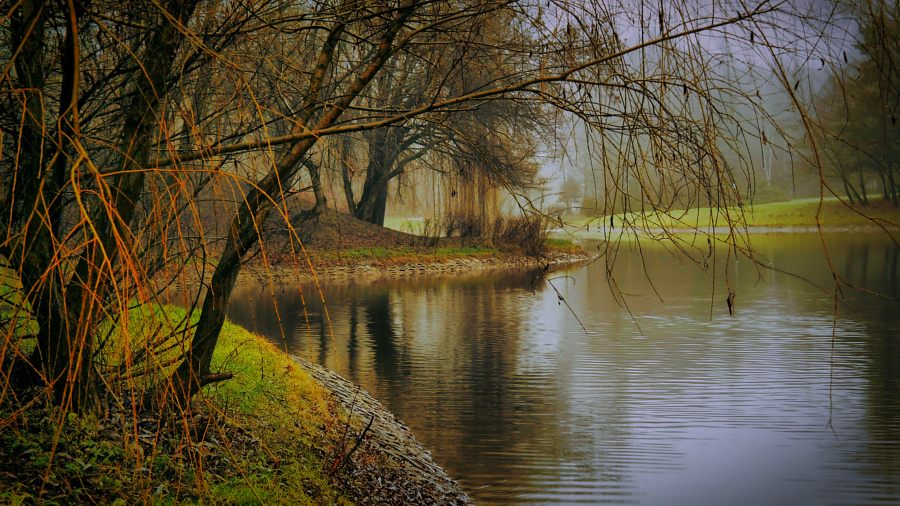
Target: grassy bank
832, 214
775, 217
335, 238
270, 435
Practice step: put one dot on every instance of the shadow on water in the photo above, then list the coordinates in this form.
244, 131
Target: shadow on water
387, 360
522, 405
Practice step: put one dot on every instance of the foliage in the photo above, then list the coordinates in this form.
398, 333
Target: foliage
571, 192
526, 232
859, 110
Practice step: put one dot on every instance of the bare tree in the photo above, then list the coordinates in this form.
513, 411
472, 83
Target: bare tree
858, 112
121, 122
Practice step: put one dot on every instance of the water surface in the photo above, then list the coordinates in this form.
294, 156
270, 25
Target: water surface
661, 398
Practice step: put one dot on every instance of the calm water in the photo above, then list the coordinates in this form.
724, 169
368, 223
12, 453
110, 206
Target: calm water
665, 400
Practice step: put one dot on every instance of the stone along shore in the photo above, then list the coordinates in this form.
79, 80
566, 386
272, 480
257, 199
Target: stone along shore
420, 481
366, 271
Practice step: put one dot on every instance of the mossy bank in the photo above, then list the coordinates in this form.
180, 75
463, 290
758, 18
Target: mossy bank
270, 435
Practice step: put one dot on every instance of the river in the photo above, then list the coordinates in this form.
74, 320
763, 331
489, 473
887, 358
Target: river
558, 391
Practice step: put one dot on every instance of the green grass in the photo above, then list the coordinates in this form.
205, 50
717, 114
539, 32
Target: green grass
408, 225
287, 411
563, 245
400, 254
463, 251
798, 214
15, 311
832, 214
375, 253
269, 400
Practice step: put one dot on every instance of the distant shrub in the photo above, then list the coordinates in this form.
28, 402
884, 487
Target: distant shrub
526, 232
458, 224
428, 231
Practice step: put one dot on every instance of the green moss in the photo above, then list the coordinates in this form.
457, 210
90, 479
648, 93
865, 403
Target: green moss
463, 251
15, 311
293, 423
287, 425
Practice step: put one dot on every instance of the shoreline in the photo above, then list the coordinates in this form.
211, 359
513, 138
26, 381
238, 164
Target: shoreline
406, 460
604, 233
365, 271
420, 479
408, 474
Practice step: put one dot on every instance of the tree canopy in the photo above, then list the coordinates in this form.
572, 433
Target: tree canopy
859, 109
124, 127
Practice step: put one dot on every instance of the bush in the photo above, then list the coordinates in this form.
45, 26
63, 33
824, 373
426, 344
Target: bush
526, 232
463, 226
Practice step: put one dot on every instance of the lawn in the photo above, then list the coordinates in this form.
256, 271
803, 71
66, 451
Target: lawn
798, 215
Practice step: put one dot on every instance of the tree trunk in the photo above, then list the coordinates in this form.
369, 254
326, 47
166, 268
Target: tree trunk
318, 189
889, 170
862, 188
193, 371
61, 358
68, 315
847, 189
382, 155
346, 177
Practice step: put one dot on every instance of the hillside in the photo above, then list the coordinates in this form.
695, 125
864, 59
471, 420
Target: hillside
335, 230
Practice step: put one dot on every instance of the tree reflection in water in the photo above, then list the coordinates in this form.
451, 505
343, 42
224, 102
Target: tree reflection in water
521, 404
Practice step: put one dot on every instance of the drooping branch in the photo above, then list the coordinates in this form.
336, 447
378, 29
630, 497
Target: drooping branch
535, 85
247, 223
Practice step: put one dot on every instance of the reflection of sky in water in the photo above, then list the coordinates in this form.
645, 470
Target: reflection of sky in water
708, 412
675, 403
